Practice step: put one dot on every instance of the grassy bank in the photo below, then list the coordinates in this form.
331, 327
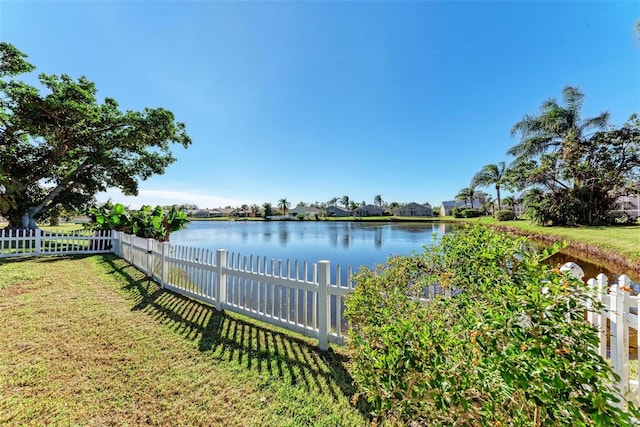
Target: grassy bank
91, 341
617, 245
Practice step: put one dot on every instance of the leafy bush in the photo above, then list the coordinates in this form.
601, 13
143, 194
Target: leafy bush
505, 215
471, 213
459, 212
510, 348
146, 222
456, 212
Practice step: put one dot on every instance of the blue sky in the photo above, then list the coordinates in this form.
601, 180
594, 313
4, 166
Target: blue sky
314, 100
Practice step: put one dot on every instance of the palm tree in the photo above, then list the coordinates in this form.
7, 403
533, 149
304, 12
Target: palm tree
557, 129
491, 174
345, 201
466, 194
332, 201
377, 201
284, 204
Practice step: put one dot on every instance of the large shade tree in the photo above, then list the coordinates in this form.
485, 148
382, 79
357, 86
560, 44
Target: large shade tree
59, 145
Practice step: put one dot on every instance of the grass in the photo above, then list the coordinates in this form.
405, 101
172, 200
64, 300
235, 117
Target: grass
91, 341
623, 240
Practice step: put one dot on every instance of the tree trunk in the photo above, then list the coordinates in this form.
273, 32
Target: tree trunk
24, 220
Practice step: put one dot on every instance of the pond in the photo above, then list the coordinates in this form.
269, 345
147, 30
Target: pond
342, 242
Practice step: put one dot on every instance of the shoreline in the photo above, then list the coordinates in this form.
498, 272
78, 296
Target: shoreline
611, 259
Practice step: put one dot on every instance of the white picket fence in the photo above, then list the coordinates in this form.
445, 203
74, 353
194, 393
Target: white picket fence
614, 322
39, 242
292, 295
298, 296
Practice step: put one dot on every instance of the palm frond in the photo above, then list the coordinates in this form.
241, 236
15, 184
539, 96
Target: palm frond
598, 122
573, 97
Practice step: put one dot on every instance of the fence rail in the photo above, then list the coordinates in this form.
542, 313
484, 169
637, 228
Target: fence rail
289, 294
615, 322
39, 242
300, 296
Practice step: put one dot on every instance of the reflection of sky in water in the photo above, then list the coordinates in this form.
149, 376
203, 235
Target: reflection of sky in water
343, 243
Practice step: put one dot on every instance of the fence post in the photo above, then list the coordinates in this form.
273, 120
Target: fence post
616, 314
221, 276
637, 327
624, 286
602, 283
164, 264
113, 241
324, 304
38, 233
149, 267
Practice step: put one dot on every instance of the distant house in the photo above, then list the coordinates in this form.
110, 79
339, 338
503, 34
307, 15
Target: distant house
414, 209
239, 213
226, 211
629, 205
304, 210
337, 211
206, 213
446, 207
202, 213
367, 210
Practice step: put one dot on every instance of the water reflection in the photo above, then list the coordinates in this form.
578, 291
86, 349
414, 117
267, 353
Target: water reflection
345, 243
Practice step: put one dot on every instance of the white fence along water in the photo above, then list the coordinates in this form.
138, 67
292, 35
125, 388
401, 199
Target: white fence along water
298, 296
292, 295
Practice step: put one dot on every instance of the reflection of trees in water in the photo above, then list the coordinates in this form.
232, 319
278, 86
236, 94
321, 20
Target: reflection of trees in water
345, 240
333, 238
267, 236
284, 233
377, 240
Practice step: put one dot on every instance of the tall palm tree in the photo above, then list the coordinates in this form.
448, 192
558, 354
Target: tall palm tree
492, 174
345, 201
377, 201
284, 205
332, 201
466, 194
559, 128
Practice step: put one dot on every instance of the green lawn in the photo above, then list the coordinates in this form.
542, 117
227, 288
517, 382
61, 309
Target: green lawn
623, 240
91, 341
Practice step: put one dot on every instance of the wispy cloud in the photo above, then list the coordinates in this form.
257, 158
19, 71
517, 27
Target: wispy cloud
165, 197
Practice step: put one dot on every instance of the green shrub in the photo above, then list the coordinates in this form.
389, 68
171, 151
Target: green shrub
146, 222
510, 348
471, 213
505, 215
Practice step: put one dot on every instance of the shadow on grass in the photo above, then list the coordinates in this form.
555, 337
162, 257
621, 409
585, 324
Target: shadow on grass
229, 337
44, 259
